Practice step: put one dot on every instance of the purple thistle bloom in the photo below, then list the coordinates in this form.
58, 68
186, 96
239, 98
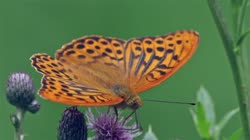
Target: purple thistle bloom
20, 90
106, 127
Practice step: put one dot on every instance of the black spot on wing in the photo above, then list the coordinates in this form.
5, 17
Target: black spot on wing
119, 52
151, 75
81, 56
108, 50
90, 51
179, 42
80, 46
69, 94
90, 42
70, 52
100, 99
149, 50
159, 42
96, 38
97, 47
93, 98
104, 42
81, 99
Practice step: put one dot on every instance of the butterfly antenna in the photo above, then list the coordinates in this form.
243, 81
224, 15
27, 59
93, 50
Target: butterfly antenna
161, 101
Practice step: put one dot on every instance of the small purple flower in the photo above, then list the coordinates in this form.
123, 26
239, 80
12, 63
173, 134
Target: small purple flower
20, 90
107, 128
72, 125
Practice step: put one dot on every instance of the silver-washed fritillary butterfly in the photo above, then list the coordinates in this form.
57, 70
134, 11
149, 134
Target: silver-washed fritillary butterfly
104, 71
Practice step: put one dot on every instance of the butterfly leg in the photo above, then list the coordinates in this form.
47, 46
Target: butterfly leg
108, 110
137, 122
116, 114
125, 120
116, 117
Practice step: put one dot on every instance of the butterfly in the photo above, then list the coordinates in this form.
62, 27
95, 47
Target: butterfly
105, 71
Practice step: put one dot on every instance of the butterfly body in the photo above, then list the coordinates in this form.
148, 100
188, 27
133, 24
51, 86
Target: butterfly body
104, 71
130, 99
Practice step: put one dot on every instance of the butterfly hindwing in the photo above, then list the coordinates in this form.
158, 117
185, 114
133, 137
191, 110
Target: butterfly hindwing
47, 65
151, 60
60, 85
68, 92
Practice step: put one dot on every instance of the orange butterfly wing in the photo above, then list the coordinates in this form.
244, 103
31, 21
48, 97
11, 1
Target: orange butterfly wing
86, 70
151, 60
62, 86
96, 61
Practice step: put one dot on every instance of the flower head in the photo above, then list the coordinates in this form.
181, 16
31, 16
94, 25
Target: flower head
72, 125
20, 90
107, 127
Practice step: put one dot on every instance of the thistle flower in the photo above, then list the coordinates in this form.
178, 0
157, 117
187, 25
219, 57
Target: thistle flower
72, 125
107, 127
20, 90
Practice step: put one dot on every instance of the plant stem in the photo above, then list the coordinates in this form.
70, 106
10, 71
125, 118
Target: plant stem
241, 18
18, 127
235, 63
240, 33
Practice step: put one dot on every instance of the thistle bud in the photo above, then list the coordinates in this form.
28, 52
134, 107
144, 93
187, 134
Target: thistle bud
72, 125
34, 107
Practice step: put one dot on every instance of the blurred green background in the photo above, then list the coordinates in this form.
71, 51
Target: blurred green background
35, 26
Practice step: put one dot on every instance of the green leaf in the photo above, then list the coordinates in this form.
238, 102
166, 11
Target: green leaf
236, 135
204, 98
150, 135
226, 118
201, 122
242, 38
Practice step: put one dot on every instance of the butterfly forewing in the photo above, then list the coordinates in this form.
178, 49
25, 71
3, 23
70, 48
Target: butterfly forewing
94, 57
151, 60
93, 49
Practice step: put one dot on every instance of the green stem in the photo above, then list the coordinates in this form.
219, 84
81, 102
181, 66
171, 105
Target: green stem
240, 33
18, 124
235, 63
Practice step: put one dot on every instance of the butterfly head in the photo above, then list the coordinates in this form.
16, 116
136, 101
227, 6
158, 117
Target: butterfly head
130, 100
